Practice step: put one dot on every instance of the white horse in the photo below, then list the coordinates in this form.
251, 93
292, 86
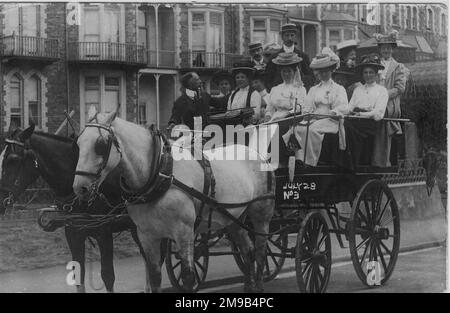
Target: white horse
173, 214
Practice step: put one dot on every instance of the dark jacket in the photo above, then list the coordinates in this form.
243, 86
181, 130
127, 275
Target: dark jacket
273, 76
219, 104
185, 109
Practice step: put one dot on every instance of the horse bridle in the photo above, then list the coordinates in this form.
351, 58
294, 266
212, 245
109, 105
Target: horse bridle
111, 139
13, 143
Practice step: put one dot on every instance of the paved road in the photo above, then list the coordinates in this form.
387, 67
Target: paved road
417, 271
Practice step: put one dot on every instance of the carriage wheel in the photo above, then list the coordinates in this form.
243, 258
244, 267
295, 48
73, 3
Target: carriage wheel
275, 252
201, 261
374, 233
313, 254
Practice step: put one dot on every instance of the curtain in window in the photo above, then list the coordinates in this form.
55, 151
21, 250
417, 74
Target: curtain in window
16, 101
33, 91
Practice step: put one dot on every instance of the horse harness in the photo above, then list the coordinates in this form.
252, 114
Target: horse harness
163, 178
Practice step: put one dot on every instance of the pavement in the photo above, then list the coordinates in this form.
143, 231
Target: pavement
418, 231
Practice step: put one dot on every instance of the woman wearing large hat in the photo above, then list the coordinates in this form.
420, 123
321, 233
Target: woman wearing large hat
346, 75
244, 96
393, 77
282, 98
327, 98
224, 81
368, 102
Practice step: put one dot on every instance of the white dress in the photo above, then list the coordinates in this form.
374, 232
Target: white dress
324, 98
281, 100
372, 98
240, 101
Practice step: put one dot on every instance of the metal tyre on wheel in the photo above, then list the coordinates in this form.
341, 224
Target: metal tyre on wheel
313, 254
201, 261
374, 233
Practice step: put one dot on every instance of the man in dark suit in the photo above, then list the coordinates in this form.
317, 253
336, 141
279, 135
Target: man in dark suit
192, 103
288, 34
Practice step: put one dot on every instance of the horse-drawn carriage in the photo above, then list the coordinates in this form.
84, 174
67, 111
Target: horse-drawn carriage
357, 206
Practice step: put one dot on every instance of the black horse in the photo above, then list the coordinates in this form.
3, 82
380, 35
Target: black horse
28, 155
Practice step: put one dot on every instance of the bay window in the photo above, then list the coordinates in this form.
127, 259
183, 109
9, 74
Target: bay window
266, 30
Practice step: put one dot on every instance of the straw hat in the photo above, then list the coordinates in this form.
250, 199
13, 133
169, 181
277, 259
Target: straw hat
289, 28
285, 59
254, 46
346, 44
324, 60
271, 49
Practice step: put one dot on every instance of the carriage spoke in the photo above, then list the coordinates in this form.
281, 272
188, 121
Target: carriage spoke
362, 216
200, 265
321, 242
274, 260
177, 264
386, 248
382, 212
383, 261
361, 243
369, 215
364, 254
197, 275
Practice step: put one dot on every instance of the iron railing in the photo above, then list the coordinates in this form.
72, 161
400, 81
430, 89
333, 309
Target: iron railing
28, 46
166, 58
108, 52
211, 60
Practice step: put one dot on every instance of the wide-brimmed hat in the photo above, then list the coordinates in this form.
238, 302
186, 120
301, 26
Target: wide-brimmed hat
285, 59
244, 65
255, 46
325, 60
347, 44
390, 38
271, 48
372, 60
289, 28
222, 75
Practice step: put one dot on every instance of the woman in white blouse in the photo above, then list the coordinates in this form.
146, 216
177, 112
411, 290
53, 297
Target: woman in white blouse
289, 96
327, 98
369, 102
244, 97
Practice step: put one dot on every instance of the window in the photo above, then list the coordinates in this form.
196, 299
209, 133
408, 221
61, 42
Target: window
337, 35
92, 24
102, 23
266, 30
395, 14
142, 114
16, 101
34, 100
23, 20
430, 22
91, 93
414, 19
207, 31
142, 29
104, 91
334, 39
408, 17
443, 24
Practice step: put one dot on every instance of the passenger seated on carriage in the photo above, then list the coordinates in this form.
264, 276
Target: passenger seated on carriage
244, 98
328, 98
283, 97
369, 102
224, 81
258, 84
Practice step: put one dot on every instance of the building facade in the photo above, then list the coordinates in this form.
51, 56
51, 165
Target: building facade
58, 57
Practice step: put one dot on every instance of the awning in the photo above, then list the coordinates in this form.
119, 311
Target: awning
373, 43
418, 42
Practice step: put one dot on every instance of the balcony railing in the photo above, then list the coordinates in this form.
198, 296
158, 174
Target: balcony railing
166, 58
208, 60
108, 52
29, 47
